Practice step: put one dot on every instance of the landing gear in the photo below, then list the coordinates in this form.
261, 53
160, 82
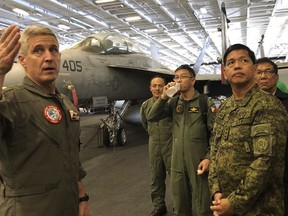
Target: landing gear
113, 130
121, 137
107, 137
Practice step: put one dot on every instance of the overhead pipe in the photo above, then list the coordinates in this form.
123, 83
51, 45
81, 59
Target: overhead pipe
224, 25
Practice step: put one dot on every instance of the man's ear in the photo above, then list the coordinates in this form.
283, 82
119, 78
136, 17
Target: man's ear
224, 73
22, 61
277, 77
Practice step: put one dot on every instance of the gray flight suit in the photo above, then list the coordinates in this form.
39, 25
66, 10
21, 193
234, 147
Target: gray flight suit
190, 146
160, 149
39, 153
247, 154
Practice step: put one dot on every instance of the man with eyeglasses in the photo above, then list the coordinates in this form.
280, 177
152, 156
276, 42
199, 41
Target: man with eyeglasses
190, 149
160, 148
248, 144
267, 77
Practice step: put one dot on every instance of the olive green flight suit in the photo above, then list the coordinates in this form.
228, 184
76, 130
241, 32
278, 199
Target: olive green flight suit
39, 153
160, 149
247, 154
190, 146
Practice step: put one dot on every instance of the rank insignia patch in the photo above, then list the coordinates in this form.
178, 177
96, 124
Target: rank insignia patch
53, 114
194, 110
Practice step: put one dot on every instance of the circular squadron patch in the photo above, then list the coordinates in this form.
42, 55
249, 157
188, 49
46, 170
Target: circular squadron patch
179, 109
53, 114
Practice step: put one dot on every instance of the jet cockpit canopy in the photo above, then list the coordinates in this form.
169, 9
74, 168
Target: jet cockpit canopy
108, 43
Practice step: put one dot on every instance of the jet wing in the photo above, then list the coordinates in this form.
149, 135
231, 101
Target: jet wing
163, 71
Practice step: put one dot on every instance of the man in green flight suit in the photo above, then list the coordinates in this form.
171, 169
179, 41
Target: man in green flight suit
40, 172
190, 149
248, 144
160, 148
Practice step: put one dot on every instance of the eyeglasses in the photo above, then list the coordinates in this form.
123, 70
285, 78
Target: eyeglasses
266, 73
176, 78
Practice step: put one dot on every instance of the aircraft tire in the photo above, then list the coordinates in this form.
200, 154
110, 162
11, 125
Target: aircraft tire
106, 138
121, 137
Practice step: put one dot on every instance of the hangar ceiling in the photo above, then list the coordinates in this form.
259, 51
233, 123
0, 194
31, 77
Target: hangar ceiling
178, 29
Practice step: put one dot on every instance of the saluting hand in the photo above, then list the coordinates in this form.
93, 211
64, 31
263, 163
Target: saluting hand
9, 47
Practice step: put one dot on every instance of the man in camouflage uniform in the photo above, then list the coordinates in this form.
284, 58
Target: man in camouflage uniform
267, 78
160, 148
248, 144
190, 149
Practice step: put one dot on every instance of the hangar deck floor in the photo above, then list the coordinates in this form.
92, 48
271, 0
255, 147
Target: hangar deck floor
117, 180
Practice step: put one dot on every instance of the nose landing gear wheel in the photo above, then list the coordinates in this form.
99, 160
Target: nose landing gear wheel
121, 137
107, 138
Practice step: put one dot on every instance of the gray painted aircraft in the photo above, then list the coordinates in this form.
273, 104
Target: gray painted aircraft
106, 65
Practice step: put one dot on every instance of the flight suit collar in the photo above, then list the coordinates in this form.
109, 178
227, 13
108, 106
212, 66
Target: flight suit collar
32, 86
196, 95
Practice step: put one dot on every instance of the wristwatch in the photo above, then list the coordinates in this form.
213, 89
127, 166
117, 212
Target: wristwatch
84, 198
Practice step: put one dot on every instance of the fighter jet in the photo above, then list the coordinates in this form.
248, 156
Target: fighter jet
107, 65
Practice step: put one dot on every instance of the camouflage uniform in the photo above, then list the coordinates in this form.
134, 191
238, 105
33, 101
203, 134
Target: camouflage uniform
190, 146
39, 153
247, 154
160, 149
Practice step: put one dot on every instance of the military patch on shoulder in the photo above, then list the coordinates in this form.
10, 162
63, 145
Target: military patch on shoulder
262, 146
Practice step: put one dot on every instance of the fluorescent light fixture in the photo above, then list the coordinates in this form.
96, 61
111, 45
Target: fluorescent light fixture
37, 8
203, 10
132, 18
164, 40
61, 26
21, 12
96, 20
79, 21
103, 1
151, 30
138, 11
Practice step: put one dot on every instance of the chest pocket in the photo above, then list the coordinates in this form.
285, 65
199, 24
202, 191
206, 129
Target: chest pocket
233, 127
218, 125
240, 129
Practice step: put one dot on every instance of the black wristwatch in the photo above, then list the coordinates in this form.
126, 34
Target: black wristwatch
84, 198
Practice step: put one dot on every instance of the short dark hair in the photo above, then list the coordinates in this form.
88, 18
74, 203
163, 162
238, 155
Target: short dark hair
158, 76
267, 60
187, 67
239, 47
